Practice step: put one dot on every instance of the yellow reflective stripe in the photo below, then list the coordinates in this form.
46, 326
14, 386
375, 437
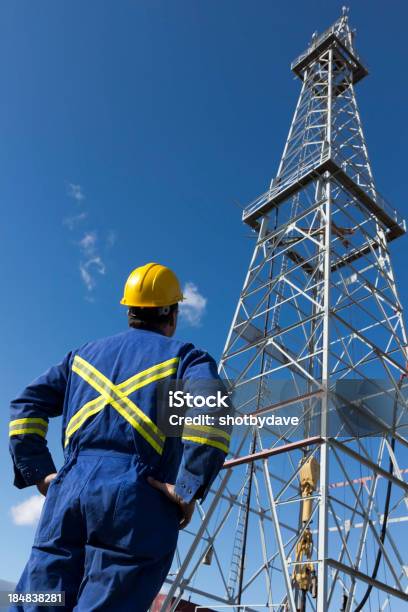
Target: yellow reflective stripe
213, 431
136, 425
100, 405
207, 441
28, 425
29, 420
96, 405
102, 379
158, 376
87, 409
130, 411
154, 368
118, 407
78, 416
27, 430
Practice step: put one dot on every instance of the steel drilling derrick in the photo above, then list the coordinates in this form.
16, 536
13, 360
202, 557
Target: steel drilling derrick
309, 517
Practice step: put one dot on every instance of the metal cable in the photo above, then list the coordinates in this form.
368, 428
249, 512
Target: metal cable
385, 515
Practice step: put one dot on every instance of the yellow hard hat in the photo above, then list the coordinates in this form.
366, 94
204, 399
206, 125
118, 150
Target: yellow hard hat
151, 286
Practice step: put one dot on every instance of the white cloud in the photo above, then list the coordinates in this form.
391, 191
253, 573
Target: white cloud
29, 511
91, 247
75, 192
88, 243
89, 269
74, 220
193, 308
86, 277
93, 263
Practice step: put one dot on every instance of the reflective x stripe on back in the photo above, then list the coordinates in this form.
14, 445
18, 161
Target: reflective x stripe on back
117, 396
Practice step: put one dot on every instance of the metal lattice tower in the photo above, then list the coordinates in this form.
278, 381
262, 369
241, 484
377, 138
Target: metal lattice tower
312, 517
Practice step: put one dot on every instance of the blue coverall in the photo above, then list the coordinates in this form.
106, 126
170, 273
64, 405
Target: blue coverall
106, 537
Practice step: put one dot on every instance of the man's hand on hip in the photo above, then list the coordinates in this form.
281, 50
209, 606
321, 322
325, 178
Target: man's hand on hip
43, 485
187, 509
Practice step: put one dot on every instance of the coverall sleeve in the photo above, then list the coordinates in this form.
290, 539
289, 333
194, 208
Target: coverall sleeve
204, 446
30, 413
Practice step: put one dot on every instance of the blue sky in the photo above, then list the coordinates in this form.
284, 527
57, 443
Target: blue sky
132, 132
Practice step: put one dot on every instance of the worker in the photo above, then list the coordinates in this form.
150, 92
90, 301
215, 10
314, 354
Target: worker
109, 526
